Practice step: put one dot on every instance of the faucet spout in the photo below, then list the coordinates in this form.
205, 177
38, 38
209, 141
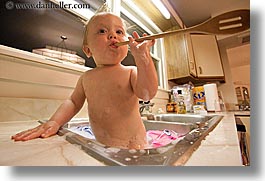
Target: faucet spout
145, 107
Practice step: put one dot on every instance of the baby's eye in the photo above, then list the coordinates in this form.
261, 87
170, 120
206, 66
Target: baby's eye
119, 32
102, 31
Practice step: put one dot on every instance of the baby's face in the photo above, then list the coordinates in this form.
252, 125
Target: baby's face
103, 32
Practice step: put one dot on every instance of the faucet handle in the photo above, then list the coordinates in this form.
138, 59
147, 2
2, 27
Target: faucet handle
144, 102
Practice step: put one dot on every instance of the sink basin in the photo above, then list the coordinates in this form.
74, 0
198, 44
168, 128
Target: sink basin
193, 127
182, 118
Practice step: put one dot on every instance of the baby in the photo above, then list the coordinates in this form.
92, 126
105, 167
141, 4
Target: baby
111, 90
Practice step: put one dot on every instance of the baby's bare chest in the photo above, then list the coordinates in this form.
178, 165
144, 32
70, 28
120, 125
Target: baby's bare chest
108, 88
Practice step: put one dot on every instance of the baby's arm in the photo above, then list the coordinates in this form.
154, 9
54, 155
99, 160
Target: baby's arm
71, 106
63, 114
144, 79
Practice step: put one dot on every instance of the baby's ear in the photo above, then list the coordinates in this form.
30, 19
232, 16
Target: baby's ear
87, 51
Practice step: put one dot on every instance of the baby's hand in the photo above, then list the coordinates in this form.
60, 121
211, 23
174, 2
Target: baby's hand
140, 49
45, 130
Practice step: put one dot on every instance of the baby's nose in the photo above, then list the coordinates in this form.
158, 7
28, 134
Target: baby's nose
112, 35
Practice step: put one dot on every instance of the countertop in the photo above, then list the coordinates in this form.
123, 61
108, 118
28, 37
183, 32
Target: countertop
52, 151
220, 148
33, 57
242, 113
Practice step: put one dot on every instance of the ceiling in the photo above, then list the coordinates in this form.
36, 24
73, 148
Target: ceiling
193, 12
154, 14
36, 28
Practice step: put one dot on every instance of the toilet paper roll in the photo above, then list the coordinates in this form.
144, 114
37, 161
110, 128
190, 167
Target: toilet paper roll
211, 97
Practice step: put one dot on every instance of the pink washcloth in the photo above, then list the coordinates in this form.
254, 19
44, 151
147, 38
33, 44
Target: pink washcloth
160, 138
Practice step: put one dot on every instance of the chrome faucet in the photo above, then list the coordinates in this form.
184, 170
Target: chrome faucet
145, 107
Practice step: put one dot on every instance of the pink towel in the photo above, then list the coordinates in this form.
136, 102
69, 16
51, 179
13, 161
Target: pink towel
160, 138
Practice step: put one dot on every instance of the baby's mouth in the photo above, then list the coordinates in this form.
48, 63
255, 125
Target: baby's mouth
113, 45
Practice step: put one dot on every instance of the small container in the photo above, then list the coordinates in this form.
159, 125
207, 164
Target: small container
171, 107
199, 96
181, 108
199, 109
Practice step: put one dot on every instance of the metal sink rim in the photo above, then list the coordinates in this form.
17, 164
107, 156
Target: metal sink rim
175, 159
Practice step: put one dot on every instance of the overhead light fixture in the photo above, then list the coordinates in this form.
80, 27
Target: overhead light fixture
135, 20
60, 55
160, 6
141, 14
60, 52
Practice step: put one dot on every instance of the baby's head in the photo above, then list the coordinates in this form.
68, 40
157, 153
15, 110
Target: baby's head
101, 33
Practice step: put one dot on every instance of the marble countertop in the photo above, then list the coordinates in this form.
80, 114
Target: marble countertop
220, 148
242, 113
52, 151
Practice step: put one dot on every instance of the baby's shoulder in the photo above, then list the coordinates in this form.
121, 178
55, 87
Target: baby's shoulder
130, 68
89, 72
87, 75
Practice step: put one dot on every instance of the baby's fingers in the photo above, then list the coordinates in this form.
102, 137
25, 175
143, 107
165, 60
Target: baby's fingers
135, 35
28, 134
18, 134
151, 42
22, 133
31, 135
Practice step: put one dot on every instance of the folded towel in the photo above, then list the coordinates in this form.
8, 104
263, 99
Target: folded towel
158, 138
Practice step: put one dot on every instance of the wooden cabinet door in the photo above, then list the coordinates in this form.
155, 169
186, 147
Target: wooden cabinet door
176, 57
206, 55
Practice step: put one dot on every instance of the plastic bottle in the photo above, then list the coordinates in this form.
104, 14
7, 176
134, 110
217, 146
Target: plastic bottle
170, 107
181, 107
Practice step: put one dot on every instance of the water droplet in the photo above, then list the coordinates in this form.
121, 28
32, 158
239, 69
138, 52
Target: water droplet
135, 156
162, 149
128, 159
142, 151
113, 149
132, 151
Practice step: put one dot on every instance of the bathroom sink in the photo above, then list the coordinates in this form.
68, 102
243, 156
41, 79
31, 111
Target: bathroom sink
194, 129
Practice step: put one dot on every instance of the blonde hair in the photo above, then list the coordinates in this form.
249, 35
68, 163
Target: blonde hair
91, 21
